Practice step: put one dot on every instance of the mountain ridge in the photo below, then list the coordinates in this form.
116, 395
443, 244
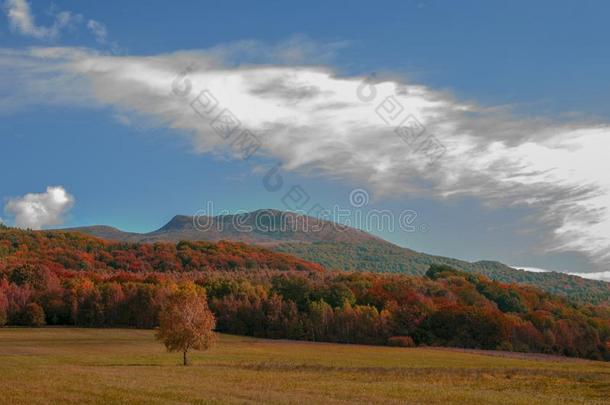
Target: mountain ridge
340, 247
264, 226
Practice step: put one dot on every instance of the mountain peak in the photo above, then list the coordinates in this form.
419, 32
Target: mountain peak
264, 226
177, 222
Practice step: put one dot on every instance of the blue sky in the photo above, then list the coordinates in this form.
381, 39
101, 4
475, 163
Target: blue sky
536, 74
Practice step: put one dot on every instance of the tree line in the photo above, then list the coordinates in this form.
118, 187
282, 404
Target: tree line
293, 300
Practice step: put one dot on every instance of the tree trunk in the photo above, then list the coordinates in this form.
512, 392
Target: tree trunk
185, 358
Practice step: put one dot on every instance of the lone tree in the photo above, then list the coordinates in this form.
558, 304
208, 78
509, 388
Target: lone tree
186, 322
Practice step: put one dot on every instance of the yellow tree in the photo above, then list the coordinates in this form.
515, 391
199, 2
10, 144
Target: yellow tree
186, 322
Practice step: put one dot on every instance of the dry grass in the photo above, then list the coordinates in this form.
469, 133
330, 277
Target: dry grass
101, 366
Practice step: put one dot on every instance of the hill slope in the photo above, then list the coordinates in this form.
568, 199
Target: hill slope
59, 251
386, 257
340, 247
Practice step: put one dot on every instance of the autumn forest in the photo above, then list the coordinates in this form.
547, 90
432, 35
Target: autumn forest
62, 278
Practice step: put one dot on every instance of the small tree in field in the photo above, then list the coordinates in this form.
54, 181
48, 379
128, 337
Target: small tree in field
186, 322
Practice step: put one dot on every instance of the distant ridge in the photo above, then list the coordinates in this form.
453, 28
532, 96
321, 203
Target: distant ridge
105, 232
265, 226
342, 248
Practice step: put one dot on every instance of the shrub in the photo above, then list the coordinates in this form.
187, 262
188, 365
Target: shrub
401, 341
33, 315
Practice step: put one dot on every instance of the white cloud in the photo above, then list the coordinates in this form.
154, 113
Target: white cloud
311, 119
598, 275
38, 210
100, 33
532, 269
22, 21
98, 30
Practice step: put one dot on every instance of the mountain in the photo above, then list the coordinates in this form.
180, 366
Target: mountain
262, 227
343, 248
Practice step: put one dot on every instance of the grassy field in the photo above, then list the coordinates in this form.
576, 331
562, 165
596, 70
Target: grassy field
101, 366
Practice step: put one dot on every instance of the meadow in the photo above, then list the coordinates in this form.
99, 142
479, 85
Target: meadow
102, 366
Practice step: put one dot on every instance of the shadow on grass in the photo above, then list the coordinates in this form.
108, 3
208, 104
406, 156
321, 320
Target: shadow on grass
580, 376
129, 365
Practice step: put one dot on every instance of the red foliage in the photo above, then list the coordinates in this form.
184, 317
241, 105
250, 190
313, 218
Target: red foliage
69, 279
